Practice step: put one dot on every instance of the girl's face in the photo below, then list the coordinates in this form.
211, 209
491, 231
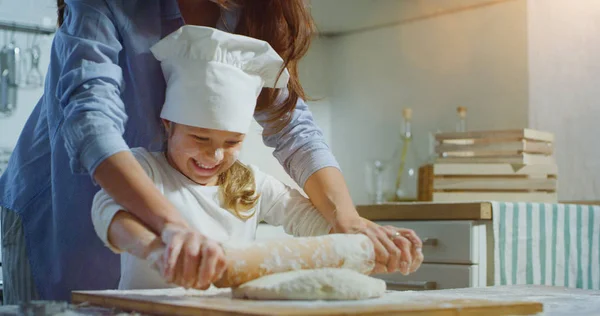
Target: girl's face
201, 154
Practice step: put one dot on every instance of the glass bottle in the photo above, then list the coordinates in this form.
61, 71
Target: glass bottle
404, 166
375, 171
461, 124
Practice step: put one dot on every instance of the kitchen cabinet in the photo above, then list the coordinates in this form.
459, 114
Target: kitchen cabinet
456, 255
457, 243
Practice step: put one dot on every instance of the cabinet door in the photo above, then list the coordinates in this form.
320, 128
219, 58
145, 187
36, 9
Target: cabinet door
431, 276
461, 242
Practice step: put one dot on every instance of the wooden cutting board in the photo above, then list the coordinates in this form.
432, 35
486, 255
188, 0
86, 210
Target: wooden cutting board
181, 302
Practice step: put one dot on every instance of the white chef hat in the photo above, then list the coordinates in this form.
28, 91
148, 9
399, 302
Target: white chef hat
214, 77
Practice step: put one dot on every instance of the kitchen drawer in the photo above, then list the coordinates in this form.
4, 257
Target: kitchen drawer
432, 276
448, 241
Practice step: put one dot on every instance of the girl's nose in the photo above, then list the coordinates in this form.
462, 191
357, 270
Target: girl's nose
216, 154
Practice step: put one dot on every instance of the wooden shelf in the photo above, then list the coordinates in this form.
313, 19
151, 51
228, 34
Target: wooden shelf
426, 211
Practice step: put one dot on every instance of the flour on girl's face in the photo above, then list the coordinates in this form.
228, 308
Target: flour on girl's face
202, 154
219, 154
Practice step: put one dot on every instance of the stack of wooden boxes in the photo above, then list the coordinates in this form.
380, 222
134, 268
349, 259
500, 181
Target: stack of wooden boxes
505, 165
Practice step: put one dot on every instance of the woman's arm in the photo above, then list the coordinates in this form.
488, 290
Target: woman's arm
301, 149
328, 192
89, 93
124, 179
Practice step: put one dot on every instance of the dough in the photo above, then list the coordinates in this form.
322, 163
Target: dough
317, 284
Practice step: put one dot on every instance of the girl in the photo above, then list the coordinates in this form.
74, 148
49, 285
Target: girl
205, 118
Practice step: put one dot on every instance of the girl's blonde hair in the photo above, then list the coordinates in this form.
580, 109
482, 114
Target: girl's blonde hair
237, 187
237, 190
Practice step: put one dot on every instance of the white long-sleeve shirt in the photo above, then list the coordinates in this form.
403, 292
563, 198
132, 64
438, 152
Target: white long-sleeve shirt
201, 207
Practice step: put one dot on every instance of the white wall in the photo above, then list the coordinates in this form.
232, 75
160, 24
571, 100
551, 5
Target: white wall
475, 58
37, 12
564, 80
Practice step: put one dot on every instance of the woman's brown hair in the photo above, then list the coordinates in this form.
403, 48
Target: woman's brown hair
288, 27
60, 10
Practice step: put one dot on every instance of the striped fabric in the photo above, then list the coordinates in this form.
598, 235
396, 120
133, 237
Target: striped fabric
547, 244
18, 285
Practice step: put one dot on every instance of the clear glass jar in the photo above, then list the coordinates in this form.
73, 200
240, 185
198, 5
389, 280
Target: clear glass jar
375, 180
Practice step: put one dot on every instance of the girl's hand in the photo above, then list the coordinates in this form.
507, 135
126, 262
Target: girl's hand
396, 249
189, 259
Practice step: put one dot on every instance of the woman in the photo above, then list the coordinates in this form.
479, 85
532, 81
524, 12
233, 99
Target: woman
103, 93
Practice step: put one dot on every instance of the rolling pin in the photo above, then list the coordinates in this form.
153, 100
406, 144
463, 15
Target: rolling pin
251, 260
246, 262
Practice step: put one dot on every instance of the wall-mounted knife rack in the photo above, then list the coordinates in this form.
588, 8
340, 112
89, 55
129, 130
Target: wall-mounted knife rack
11, 66
26, 28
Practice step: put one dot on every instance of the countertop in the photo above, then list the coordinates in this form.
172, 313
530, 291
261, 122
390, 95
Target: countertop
556, 300
423, 211
407, 211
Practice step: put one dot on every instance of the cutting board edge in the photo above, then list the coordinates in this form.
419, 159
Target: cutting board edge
129, 304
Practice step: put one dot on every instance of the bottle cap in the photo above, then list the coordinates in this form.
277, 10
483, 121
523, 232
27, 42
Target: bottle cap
462, 111
407, 113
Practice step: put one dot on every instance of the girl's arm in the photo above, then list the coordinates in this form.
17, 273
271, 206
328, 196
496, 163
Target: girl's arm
182, 256
281, 205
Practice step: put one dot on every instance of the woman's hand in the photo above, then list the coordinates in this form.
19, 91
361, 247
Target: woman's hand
189, 259
396, 249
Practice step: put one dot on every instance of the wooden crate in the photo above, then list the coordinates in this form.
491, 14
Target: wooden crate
488, 182
496, 135
523, 146
522, 159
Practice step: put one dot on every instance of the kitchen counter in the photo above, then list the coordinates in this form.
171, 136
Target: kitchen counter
409, 211
556, 300
472, 244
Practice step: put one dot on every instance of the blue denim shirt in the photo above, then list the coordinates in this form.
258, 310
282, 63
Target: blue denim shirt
103, 94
